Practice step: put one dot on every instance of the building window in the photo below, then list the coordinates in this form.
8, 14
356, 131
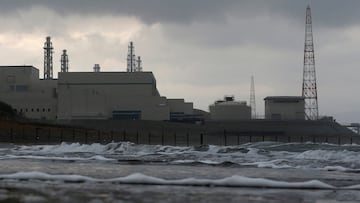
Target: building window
37, 110
49, 110
43, 109
32, 110
26, 110
21, 110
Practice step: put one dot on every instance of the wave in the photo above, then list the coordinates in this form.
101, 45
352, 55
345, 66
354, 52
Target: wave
138, 178
96, 157
263, 154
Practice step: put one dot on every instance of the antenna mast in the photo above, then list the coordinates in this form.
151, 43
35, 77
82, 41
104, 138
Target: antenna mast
252, 99
309, 88
138, 64
97, 68
64, 62
48, 59
131, 65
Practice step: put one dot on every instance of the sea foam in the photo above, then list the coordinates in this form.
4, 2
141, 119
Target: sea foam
138, 178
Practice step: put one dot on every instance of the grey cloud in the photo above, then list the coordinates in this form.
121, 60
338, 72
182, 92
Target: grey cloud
328, 12
148, 11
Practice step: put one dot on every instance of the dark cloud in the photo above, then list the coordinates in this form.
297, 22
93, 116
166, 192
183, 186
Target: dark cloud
326, 12
153, 11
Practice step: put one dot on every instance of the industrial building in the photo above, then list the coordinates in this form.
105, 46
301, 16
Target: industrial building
130, 95
104, 95
21, 87
230, 110
285, 108
88, 95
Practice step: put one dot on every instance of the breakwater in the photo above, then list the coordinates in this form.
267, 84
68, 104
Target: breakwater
176, 134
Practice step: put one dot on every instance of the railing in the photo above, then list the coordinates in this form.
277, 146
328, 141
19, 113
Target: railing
28, 134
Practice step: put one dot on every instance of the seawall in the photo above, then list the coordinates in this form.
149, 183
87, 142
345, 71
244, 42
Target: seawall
179, 134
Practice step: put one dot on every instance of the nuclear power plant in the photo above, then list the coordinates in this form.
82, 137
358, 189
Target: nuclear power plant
114, 100
133, 94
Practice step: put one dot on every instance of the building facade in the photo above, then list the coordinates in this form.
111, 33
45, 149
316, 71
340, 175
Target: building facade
285, 108
229, 110
21, 88
86, 95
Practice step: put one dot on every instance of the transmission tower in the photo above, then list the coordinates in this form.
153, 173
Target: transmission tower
309, 88
48, 59
131, 65
64, 62
252, 99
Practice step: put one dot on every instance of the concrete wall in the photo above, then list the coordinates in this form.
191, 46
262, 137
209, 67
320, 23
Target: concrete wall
170, 133
179, 105
85, 95
285, 110
230, 111
22, 89
95, 95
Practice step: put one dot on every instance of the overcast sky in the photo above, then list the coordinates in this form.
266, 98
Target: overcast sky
199, 50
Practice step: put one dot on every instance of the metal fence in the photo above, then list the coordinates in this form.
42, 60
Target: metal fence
28, 134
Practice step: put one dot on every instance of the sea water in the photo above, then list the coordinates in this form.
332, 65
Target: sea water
127, 172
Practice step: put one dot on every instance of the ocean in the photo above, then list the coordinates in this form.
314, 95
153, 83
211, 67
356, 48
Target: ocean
127, 172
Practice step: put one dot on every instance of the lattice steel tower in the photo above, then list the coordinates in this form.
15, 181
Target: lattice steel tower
64, 62
252, 99
131, 64
309, 88
138, 64
48, 59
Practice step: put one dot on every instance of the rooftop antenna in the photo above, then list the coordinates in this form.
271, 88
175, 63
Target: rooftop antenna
131, 65
138, 64
96, 68
64, 62
252, 99
48, 59
309, 87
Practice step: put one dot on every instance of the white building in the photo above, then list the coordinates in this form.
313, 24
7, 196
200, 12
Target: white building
86, 95
285, 108
229, 109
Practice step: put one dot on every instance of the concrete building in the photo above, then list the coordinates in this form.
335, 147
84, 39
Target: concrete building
87, 95
285, 108
230, 110
179, 109
21, 88
115, 95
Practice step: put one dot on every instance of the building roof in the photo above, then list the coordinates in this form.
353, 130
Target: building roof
20, 66
106, 78
285, 98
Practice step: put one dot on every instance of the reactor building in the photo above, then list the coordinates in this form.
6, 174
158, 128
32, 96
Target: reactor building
130, 95
88, 95
230, 110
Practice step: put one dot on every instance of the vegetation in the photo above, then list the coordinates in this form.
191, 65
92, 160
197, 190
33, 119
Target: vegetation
6, 111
